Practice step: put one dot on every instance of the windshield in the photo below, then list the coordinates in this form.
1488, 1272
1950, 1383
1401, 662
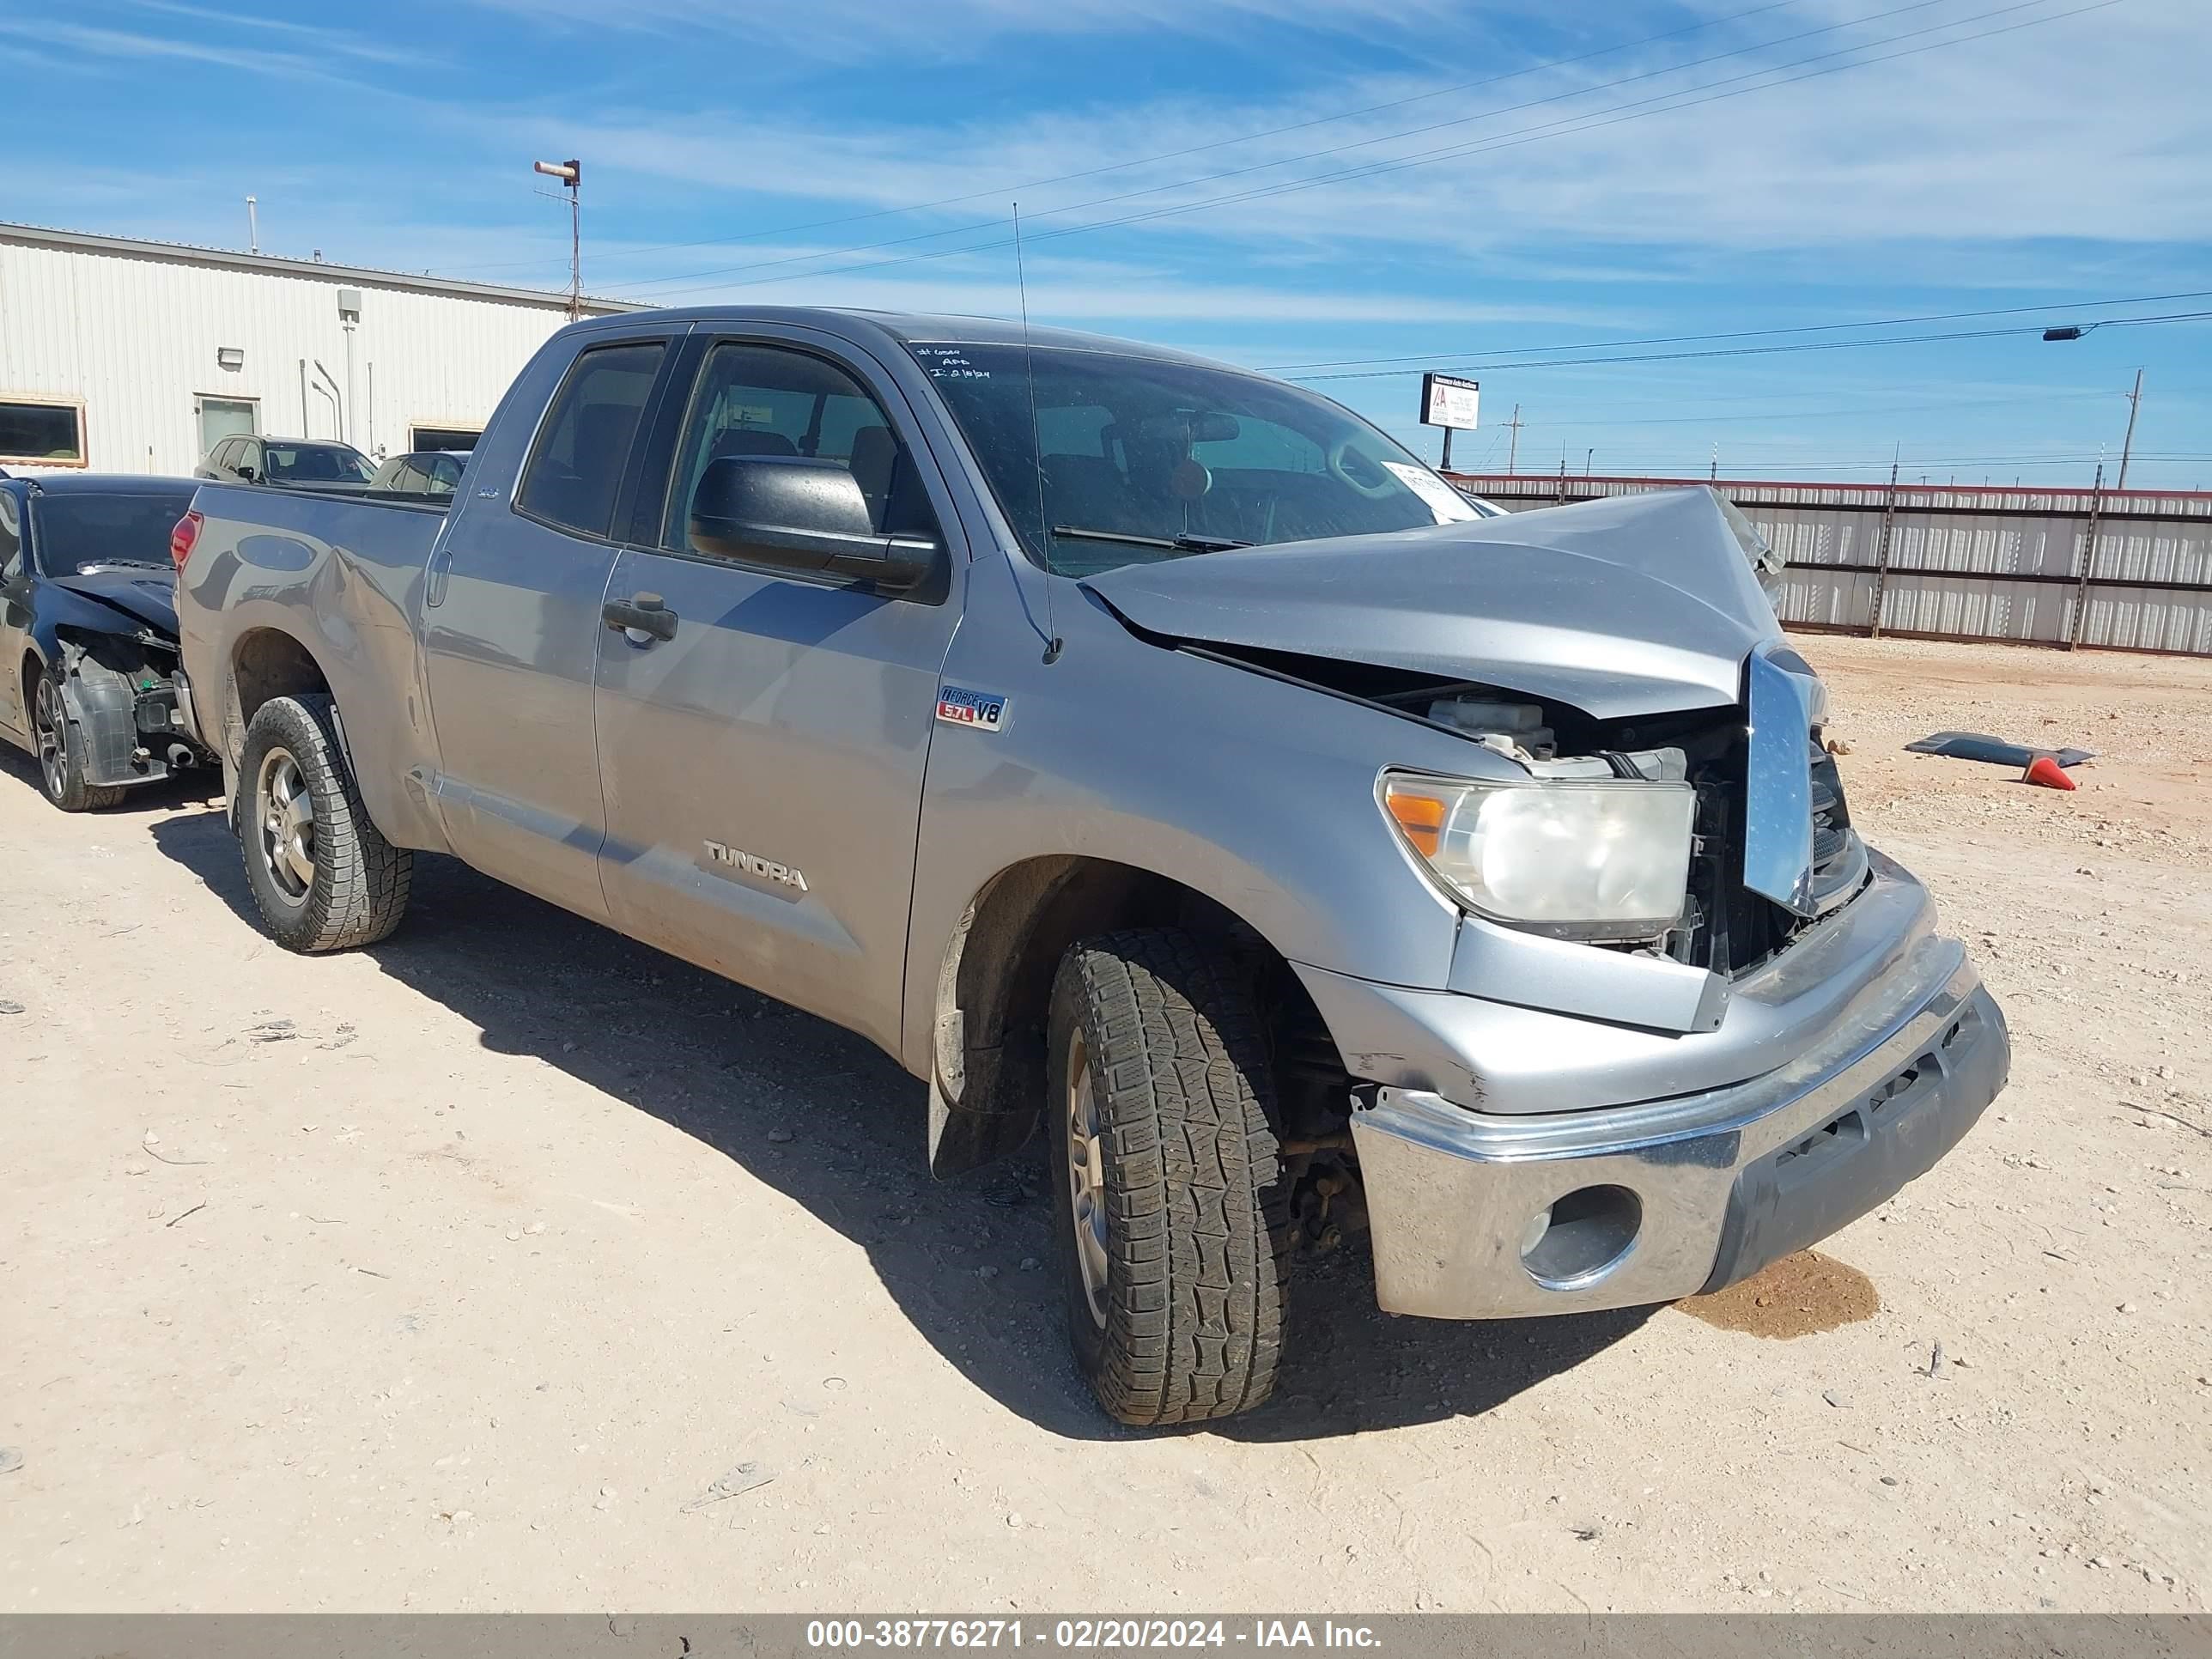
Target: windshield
77, 529
1131, 459
317, 463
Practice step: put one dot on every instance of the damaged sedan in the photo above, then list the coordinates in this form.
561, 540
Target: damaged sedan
88, 632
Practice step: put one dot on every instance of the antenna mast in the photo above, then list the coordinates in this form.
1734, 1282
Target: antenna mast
1037, 438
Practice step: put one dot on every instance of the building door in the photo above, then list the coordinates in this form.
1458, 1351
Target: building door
226, 417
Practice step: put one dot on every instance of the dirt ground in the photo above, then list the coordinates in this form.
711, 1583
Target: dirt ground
510, 1265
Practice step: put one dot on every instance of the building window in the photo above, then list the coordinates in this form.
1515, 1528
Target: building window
463, 438
40, 433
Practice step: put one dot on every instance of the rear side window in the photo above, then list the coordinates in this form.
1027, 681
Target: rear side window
577, 467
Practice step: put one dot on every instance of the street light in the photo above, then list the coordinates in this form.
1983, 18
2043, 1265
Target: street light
2074, 332
570, 172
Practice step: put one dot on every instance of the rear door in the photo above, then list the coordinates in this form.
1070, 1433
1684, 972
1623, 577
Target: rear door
512, 624
762, 765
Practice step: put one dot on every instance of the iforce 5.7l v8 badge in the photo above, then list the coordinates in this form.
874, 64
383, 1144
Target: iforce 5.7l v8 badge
984, 710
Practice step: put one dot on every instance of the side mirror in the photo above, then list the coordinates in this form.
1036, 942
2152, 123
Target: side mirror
801, 515
245, 473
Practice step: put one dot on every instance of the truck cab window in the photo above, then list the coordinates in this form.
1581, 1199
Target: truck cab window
767, 400
578, 466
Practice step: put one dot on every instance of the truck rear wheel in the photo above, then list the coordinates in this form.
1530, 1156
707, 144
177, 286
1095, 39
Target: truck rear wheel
1170, 1209
323, 878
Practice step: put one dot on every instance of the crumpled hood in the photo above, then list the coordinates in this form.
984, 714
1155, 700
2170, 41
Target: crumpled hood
149, 596
1634, 605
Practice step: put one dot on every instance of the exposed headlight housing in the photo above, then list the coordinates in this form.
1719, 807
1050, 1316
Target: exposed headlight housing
1597, 859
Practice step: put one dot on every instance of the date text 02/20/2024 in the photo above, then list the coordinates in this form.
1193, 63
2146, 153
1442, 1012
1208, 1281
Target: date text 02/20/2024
1085, 1634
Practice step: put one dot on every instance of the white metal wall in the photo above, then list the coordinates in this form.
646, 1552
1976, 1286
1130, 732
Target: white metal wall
134, 339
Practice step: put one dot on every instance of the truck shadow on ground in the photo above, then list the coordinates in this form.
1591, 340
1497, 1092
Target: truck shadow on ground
821, 1116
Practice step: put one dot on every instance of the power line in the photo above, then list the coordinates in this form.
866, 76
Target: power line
1193, 149
1742, 351
1318, 155
1428, 359
1636, 110
1821, 414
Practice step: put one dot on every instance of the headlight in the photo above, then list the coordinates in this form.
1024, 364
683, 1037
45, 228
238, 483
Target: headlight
1610, 858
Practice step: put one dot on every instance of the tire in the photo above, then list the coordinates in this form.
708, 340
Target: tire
61, 757
1179, 1318
323, 876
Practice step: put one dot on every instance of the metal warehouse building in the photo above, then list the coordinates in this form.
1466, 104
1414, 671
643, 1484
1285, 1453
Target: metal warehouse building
132, 356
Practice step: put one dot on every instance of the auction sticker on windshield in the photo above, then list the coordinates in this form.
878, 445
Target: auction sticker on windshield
1447, 503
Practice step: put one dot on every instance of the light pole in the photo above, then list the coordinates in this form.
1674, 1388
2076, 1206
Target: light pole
570, 172
349, 319
2074, 332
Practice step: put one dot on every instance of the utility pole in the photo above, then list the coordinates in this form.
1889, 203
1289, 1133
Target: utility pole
1513, 449
570, 172
1881, 552
2127, 444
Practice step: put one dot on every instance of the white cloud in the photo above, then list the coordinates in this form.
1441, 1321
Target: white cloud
1984, 142
849, 30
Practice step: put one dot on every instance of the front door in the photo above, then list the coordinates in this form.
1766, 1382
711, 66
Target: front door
762, 764
512, 627
14, 614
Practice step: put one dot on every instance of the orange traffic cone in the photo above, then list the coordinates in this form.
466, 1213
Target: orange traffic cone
2047, 772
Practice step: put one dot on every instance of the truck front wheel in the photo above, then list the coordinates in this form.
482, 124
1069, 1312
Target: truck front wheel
323, 878
1168, 1204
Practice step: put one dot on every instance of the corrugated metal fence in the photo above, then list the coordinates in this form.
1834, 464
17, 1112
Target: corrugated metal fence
2127, 570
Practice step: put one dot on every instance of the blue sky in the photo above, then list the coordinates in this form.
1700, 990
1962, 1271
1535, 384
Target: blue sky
1291, 182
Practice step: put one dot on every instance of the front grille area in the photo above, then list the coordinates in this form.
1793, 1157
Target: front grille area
1832, 817
1733, 930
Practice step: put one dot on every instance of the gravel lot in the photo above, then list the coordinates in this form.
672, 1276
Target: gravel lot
510, 1265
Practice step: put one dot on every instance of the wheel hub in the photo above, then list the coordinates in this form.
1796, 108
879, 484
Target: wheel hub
53, 754
1086, 1179
284, 809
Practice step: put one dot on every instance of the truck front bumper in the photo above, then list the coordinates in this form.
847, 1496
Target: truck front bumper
1481, 1215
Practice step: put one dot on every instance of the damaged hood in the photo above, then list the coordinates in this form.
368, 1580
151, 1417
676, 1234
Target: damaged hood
1630, 605
147, 596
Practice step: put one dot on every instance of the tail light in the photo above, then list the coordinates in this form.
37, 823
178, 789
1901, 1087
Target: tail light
185, 537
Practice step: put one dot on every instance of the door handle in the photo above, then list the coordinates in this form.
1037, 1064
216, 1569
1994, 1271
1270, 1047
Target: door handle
646, 613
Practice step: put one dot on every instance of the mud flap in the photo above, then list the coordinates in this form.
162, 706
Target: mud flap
960, 1140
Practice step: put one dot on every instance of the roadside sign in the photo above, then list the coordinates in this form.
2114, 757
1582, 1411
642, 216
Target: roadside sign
1449, 402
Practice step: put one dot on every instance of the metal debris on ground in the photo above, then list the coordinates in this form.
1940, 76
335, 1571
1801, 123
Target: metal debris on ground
1980, 746
8, 1007
748, 1476
151, 1147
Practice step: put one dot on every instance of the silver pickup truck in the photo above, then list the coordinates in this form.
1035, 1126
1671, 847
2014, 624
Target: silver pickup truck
1144, 750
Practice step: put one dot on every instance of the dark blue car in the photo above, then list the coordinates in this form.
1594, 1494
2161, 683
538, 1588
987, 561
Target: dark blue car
88, 632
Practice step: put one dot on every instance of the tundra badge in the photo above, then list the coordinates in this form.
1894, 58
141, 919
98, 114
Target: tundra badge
984, 710
756, 867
